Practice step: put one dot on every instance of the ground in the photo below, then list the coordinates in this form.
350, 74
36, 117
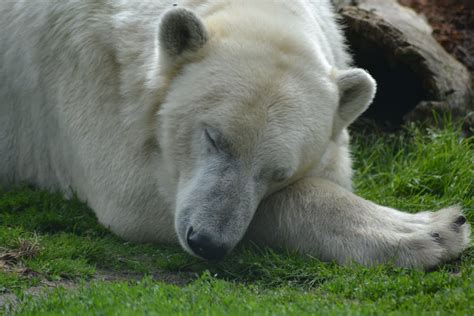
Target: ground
55, 258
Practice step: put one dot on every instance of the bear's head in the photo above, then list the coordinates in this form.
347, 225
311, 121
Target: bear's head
246, 114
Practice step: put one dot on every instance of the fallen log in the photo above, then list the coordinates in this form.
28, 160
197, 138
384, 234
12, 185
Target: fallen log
415, 75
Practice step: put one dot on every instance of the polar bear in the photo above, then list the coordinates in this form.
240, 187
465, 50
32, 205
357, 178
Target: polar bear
202, 123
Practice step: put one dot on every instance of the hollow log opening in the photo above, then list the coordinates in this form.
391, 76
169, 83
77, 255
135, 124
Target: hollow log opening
399, 89
416, 76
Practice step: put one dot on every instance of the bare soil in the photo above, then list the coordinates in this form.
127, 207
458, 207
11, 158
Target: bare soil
10, 301
453, 25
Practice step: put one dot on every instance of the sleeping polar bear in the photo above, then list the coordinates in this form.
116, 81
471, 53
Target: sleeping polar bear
202, 122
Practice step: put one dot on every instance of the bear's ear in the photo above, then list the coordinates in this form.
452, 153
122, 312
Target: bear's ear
181, 31
356, 92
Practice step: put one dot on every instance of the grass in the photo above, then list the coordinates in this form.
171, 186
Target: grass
45, 239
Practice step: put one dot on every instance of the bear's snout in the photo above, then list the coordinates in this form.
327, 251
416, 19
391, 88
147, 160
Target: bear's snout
204, 246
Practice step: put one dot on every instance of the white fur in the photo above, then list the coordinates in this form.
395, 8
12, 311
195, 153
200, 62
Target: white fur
98, 98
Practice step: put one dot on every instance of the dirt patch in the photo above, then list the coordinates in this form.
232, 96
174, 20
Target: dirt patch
453, 25
9, 301
11, 261
175, 278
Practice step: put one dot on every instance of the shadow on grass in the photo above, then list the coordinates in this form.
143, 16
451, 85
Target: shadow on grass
71, 244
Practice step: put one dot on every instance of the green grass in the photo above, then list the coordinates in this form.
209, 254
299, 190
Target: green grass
412, 170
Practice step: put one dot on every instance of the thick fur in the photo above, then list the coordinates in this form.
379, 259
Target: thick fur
227, 116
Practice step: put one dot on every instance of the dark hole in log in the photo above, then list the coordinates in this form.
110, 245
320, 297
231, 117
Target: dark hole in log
399, 89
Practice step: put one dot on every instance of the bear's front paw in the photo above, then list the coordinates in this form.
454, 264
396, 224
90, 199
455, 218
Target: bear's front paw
435, 238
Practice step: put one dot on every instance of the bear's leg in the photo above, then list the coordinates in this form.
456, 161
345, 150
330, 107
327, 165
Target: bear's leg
320, 218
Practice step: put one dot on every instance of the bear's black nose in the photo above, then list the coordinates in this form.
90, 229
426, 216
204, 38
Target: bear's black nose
203, 246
